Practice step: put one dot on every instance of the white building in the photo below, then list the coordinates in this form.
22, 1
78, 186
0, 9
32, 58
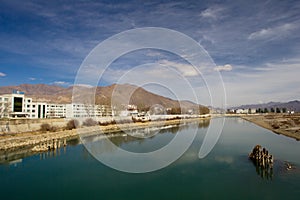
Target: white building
252, 110
79, 111
56, 110
83, 111
241, 111
16, 105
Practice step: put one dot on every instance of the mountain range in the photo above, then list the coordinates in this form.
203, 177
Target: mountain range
291, 105
103, 95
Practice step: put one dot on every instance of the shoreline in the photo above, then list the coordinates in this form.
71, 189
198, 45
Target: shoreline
43, 141
278, 124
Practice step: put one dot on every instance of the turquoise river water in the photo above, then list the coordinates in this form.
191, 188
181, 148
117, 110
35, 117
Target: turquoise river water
225, 173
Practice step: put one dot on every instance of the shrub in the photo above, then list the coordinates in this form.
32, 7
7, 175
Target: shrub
107, 123
103, 123
89, 122
45, 127
275, 125
53, 129
72, 124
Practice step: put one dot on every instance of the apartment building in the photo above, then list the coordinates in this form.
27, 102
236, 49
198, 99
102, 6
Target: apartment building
56, 110
16, 105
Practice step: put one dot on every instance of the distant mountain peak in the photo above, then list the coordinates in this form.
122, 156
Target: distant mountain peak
291, 105
103, 95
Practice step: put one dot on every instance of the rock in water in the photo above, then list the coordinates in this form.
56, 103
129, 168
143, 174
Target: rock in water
263, 160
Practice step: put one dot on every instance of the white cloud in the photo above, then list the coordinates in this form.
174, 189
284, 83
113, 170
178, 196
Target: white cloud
2, 74
276, 82
32, 78
271, 33
226, 67
184, 69
212, 12
206, 38
61, 83
83, 85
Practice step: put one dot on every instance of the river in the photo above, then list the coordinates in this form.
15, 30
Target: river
225, 173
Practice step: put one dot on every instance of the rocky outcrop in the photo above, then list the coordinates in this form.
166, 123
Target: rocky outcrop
261, 156
263, 161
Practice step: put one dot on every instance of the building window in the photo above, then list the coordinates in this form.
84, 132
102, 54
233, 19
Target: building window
18, 104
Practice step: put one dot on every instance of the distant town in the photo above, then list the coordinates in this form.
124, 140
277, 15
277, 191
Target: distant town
259, 110
17, 105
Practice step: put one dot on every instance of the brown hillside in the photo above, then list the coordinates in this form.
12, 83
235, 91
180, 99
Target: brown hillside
116, 94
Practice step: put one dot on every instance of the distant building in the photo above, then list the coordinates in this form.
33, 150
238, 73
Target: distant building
129, 110
16, 105
252, 111
56, 110
241, 111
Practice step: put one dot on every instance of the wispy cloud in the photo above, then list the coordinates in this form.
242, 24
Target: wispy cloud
185, 69
272, 33
213, 12
226, 67
59, 35
83, 85
61, 83
272, 82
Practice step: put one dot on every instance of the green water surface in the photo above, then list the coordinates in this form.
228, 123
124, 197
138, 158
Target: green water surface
226, 173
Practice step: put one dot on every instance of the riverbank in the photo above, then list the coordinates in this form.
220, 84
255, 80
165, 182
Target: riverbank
288, 125
43, 141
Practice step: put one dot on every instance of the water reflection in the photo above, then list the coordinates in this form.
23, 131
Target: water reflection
120, 139
224, 171
263, 172
140, 136
16, 157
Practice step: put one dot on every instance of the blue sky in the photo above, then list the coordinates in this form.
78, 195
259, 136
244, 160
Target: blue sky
255, 44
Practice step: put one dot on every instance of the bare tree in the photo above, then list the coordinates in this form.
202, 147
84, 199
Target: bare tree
5, 110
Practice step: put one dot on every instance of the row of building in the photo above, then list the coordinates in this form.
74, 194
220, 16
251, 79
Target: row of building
259, 110
16, 105
242, 111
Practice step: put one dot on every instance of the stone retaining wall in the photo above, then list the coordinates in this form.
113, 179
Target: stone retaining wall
27, 125
33, 139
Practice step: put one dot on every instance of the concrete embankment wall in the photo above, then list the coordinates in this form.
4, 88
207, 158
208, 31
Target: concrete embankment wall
18, 141
29, 141
26, 125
